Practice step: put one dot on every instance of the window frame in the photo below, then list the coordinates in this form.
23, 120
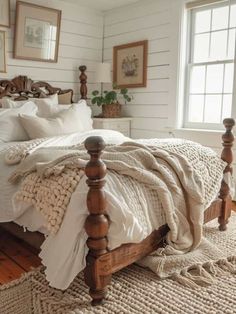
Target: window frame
191, 15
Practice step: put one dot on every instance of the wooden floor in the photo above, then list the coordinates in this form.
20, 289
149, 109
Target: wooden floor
17, 257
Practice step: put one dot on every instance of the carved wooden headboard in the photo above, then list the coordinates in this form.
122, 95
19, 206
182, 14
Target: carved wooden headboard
22, 87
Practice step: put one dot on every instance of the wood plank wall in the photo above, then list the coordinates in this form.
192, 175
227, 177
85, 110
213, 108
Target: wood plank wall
155, 108
149, 20
80, 43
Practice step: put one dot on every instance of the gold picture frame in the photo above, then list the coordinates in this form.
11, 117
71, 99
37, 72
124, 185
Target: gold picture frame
5, 19
130, 65
37, 32
3, 67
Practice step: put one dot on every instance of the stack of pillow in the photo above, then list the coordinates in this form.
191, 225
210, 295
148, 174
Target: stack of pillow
42, 117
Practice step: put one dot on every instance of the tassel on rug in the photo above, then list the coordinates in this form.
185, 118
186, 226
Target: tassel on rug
204, 275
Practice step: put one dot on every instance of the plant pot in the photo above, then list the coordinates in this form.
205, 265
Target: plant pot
111, 111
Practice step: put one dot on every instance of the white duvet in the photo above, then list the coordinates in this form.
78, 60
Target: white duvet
64, 254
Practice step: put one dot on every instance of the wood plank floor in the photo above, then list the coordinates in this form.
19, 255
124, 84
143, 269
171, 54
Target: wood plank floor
17, 257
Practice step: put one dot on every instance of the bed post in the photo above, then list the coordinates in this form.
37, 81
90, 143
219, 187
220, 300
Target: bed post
83, 82
227, 156
97, 222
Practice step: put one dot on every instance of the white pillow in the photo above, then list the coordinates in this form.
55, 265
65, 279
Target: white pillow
85, 115
50, 101
10, 126
48, 110
11, 103
65, 122
48, 107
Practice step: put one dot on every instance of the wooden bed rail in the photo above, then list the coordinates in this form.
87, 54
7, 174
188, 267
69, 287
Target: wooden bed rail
227, 156
97, 223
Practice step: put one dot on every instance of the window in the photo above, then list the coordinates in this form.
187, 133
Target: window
211, 63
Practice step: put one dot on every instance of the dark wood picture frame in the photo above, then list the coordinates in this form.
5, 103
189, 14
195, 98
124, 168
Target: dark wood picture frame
117, 63
16, 53
8, 14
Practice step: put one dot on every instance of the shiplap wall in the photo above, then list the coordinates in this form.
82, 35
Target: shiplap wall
155, 108
81, 40
150, 20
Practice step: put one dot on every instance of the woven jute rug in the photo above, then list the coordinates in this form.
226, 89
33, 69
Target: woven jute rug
133, 290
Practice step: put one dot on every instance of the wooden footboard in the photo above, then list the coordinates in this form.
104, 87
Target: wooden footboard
227, 156
102, 263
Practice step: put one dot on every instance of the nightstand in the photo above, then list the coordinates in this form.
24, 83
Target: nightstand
122, 125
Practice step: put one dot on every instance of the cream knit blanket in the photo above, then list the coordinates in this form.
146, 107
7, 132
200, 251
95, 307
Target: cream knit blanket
52, 174
181, 175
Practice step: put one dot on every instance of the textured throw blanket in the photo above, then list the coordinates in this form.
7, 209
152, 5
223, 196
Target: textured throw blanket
51, 175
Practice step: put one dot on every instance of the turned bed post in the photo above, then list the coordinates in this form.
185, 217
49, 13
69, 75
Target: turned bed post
83, 82
227, 156
97, 222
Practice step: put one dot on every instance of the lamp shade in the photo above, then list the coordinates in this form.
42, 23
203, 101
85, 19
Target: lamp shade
103, 73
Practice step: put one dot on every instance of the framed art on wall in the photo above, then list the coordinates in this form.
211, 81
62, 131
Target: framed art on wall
2, 52
37, 32
5, 13
130, 65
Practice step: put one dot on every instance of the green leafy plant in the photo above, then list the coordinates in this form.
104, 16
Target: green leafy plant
110, 97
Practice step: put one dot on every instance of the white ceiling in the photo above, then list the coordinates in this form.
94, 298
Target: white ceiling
103, 5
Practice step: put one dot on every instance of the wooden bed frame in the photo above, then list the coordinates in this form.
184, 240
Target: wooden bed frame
101, 263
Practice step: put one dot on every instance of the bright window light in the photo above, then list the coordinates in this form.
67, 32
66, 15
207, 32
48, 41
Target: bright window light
210, 66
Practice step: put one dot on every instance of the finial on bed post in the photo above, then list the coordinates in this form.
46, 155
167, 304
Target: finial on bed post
227, 156
97, 222
83, 82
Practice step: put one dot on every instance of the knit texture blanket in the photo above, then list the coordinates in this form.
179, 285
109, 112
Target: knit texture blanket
183, 176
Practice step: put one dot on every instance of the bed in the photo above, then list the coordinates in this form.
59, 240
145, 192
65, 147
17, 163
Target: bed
102, 262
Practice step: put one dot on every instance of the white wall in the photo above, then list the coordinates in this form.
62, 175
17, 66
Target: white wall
80, 43
150, 20
154, 108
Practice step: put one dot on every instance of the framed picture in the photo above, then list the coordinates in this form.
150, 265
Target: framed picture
5, 13
37, 32
2, 52
130, 65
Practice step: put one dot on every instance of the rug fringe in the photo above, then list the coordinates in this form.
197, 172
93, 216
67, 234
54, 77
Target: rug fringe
205, 274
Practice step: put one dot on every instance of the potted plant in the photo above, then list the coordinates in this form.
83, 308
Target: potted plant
109, 100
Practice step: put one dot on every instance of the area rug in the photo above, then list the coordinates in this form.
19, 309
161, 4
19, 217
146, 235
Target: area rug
133, 290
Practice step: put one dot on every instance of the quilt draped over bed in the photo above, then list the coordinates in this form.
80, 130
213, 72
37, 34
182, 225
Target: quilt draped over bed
174, 173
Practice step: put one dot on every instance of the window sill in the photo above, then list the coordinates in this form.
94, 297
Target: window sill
203, 131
